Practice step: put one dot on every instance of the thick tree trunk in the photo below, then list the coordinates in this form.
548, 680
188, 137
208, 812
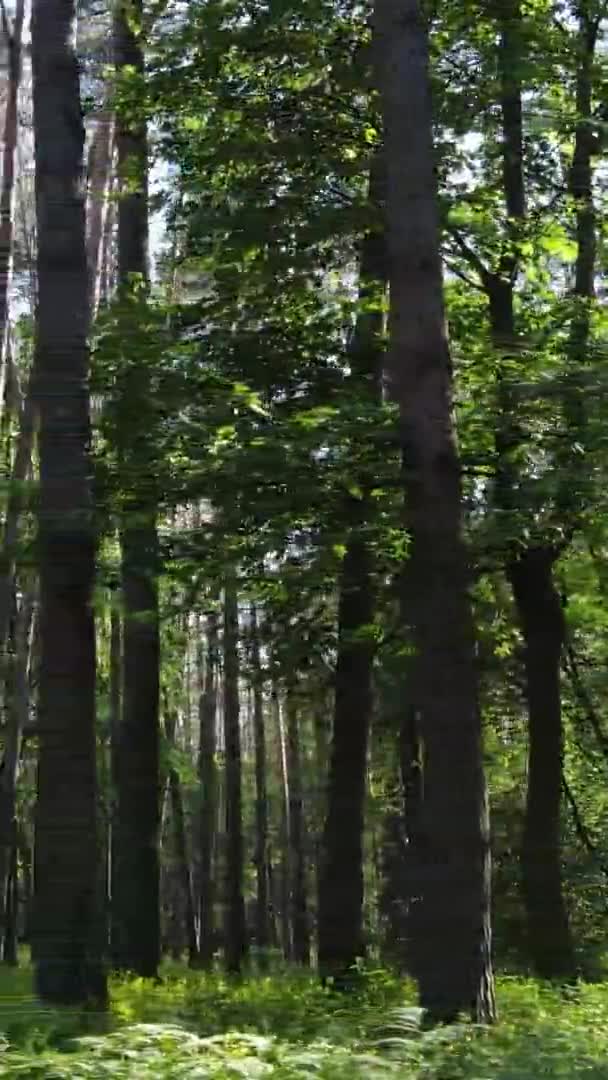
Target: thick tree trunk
298, 892
261, 797
136, 886
68, 918
454, 969
207, 770
235, 946
542, 620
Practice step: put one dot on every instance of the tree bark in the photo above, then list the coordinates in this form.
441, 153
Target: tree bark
98, 209
454, 969
340, 900
207, 769
543, 719
297, 856
542, 620
68, 919
19, 474
181, 849
17, 698
235, 928
261, 797
136, 888
14, 40
282, 904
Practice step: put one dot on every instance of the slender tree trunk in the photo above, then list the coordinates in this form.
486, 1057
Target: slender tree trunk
14, 40
180, 844
235, 927
9, 941
136, 886
261, 797
115, 719
282, 886
98, 208
209, 789
340, 931
454, 958
68, 919
18, 707
299, 902
19, 474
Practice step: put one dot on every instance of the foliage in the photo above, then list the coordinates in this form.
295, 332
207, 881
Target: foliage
286, 1027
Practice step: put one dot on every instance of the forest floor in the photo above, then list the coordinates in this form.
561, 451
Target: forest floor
286, 1027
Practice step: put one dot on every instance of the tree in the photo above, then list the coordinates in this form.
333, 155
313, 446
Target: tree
262, 933
135, 889
68, 940
453, 962
235, 928
341, 876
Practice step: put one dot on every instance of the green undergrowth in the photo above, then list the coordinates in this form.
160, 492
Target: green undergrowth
287, 1027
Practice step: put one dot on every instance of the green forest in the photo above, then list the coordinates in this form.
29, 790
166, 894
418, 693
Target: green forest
303, 542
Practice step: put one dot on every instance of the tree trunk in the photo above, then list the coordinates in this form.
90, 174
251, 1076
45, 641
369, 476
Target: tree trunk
340, 931
207, 770
68, 918
453, 951
542, 620
282, 904
235, 928
115, 720
298, 898
18, 708
98, 204
14, 41
180, 844
9, 940
261, 798
500, 289
19, 474
136, 886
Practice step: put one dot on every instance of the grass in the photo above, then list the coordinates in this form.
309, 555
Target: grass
287, 1027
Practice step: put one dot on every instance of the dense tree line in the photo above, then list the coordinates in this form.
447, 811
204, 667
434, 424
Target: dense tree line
303, 554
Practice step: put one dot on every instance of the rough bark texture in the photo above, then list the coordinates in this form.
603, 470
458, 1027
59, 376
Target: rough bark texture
542, 620
454, 970
235, 927
136, 886
68, 918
